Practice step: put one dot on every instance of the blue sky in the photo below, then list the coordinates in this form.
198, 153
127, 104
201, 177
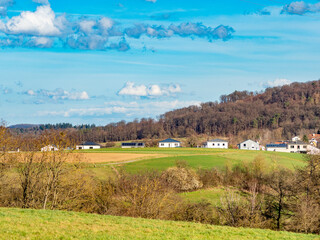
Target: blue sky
104, 61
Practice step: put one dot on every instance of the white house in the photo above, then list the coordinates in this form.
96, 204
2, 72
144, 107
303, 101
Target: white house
289, 146
216, 143
296, 138
249, 145
169, 143
88, 145
49, 148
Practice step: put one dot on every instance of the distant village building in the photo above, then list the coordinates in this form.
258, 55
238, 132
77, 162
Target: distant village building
288, 146
296, 138
216, 143
49, 148
249, 145
133, 145
169, 143
88, 145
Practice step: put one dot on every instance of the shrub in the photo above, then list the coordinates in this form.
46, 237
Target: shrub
181, 179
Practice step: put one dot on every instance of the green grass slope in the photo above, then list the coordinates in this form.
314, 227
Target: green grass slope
39, 224
209, 158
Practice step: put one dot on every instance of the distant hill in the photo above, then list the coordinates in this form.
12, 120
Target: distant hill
23, 126
278, 112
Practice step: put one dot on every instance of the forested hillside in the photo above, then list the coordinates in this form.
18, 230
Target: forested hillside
289, 110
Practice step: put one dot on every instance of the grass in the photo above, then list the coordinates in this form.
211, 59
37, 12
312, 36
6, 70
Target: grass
210, 158
212, 195
40, 224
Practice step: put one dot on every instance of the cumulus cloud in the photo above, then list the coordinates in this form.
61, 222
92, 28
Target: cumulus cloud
151, 91
43, 28
58, 94
182, 30
301, 7
39, 23
278, 82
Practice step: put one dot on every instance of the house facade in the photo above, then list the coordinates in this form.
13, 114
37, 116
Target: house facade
88, 145
249, 145
169, 143
216, 143
133, 145
289, 146
49, 148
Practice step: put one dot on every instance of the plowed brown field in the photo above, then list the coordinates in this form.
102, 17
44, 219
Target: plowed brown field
116, 157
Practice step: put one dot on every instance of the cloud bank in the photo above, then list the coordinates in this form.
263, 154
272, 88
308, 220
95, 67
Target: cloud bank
58, 94
43, 28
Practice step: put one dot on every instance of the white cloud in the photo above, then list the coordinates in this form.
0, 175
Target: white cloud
59, 94
153, 1
42, 22
278, 82
301, 7
45, 2
130, 89
40, 42
87, 26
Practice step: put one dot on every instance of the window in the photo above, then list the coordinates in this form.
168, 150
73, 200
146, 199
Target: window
162, 144
218, 144
212, 144
80, 148
244, 145
90, 147
304, 146
292, 146
223, 144
176, 144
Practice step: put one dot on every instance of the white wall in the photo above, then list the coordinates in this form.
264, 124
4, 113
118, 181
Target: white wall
277, 149
49, 148
86, 147
249, 145
217, 145
169, 145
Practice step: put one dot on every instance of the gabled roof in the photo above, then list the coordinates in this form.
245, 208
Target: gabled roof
89, 144
217, 140
169, 140
249, 140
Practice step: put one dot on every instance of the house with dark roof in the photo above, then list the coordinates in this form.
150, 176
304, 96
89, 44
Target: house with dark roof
288, 146
169, 143
217, 143
88, 145
133, 145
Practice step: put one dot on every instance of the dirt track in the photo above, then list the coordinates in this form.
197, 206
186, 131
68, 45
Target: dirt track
116, 157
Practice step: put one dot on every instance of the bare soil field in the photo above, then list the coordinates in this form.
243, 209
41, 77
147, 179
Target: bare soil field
116, 157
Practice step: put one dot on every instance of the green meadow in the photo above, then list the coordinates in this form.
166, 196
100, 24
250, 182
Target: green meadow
47, 225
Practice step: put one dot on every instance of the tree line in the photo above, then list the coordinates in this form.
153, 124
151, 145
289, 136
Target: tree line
286, 111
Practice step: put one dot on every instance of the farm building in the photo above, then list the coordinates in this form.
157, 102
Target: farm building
249, 145
49, 148
169, 143
216, 143
133, 145
288, 146
88, 145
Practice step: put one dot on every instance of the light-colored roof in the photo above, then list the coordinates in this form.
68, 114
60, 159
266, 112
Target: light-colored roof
249, 140
217, 140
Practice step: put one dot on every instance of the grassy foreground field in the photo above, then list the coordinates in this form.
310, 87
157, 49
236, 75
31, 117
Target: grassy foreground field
39, 224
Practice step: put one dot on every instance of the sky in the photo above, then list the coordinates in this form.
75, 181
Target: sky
103, 61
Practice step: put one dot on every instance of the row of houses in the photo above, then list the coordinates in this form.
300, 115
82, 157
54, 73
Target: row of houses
293, 146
